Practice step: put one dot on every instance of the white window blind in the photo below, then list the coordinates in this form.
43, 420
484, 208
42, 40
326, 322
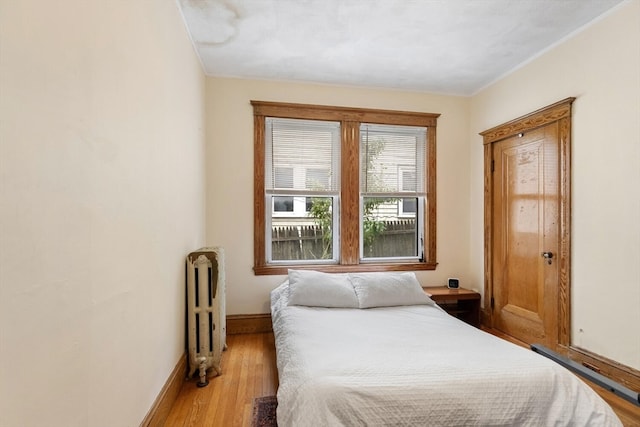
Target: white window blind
308, 147
392, 160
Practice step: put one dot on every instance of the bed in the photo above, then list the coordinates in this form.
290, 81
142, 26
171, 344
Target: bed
373, 349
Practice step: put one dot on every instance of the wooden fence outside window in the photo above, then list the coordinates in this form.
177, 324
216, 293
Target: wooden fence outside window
304, 242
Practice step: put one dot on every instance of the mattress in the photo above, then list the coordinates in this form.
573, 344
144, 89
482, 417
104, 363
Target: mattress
413, 365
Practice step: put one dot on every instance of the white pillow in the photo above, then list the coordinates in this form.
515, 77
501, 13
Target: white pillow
316, 289
388, 289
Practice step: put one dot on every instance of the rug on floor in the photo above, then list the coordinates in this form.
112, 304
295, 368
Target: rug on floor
264, 412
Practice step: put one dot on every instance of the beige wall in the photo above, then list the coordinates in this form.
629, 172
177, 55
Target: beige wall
230, 170
101, 196
601, 67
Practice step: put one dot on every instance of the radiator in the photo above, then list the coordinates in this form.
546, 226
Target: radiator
206, 318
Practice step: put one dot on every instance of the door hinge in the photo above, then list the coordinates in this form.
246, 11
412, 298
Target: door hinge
492, 303
493, 165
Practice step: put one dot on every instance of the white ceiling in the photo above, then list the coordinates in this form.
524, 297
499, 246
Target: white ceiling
454, 47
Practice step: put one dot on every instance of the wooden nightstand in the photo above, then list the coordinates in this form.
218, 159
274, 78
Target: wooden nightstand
461, 303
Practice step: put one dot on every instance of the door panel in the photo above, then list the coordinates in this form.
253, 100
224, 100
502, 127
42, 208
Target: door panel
525, 214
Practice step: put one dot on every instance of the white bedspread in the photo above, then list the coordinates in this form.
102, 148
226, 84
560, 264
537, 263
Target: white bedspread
418, 366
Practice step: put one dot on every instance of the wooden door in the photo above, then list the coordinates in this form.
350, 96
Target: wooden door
525, 212
527, 171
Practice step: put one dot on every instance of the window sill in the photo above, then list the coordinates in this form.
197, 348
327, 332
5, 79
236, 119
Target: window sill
280, 269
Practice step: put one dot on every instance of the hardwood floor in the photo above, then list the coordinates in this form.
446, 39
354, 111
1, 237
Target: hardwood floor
249, 370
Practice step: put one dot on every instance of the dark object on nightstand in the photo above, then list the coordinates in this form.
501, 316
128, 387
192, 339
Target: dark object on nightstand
461, 303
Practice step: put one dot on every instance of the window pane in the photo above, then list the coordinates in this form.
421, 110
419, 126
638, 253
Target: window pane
383, 233
317, 178
302, 169
308, 149
408, 206
408, 179
311, 239
283, 204
283, 177
392, 159
392, 184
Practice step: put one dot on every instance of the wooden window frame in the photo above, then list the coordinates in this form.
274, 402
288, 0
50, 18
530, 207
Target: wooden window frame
350, 120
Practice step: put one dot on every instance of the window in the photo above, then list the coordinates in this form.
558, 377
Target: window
302, 170
385, 233
343, 189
